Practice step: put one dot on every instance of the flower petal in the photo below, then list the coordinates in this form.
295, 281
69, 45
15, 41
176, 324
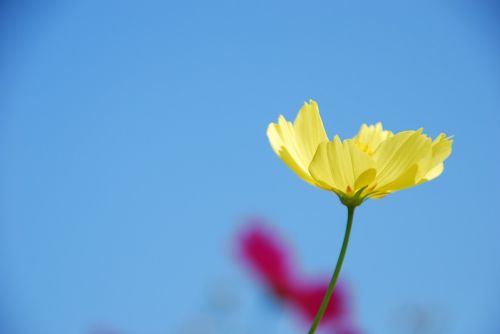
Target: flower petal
369, 137
342, 167
402, 160
309, 130
296, 143
441, 150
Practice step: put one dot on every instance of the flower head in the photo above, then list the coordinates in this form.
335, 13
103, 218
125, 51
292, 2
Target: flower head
372, 164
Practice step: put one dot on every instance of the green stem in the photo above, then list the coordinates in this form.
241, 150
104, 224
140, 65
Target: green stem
328, 295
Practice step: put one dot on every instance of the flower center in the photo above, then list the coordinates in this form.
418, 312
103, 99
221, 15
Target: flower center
364, 147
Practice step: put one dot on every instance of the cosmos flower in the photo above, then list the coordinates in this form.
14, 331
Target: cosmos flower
272, 261
372, 164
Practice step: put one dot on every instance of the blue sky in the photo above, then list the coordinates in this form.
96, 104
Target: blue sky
133, 143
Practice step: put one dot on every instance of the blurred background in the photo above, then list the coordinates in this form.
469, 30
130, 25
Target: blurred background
133, 151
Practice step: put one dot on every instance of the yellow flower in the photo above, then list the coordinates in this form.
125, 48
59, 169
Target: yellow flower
373, 164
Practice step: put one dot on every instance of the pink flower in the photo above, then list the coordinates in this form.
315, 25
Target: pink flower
268, 258
271, 260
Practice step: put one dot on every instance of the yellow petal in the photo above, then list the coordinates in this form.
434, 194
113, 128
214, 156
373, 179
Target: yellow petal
402, 160
369, 137
296, 143
441, 150
309, 130
342, 167
433, 173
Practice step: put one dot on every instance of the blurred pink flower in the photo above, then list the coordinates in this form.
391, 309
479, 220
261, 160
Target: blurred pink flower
271, 260
268, 257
